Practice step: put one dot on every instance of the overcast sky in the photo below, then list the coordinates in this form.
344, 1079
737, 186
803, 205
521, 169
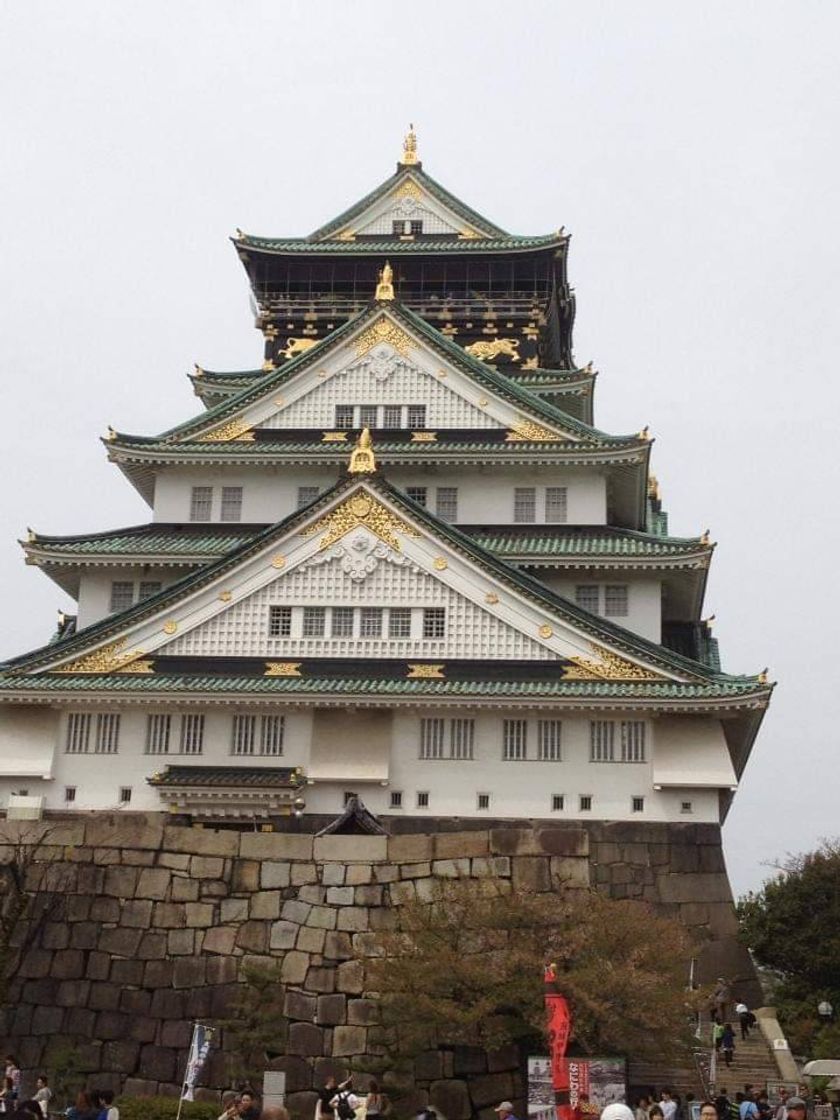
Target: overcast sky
690, 148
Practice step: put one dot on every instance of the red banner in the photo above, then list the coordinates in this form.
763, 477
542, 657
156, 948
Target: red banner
558, 1027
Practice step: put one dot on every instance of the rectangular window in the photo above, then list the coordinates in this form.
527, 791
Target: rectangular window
148, 588
367, 415
416, 416
313, 622
78, 732
341, 622
615, 600
396, 799
201, 503
107, 733
515, 740
192, 733
231, 503
306, 494
601, 740
585, 802
271, 734
370, 622
158, 727
125, 795
392, 416
446, 503
588, 596
557, 802
686, 807
122, 595
431, 738
69, 794
399, 622
417, 494
524, 504
398, 228
244, 734
556, 503
461, 738
279, 622
548, 740
434, 622
344, 416
637, 804
416, 227
483, 800
423, 799
632, 741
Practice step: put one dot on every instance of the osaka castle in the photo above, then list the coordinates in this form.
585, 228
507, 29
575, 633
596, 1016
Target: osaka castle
394, 561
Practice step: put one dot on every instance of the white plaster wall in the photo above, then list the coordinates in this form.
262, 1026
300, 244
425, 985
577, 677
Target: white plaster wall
644, 599
95, 587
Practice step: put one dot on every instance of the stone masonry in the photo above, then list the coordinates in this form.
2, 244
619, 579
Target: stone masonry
150, 925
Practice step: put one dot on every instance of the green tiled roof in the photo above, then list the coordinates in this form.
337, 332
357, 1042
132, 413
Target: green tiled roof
595, 541
148, 540
257, 776
527, 378
394, 247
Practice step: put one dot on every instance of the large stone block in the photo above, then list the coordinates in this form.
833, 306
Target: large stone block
351, 849
112, 1024
276, 846
531, 873
136, 913
136, 1003
299, 1005
491, 1088
333, 874
565, 842
339, 896
332, 1010
297, 1070
246, 875
451, 1099
105, 910
457, 845
313, 892
415, 870
153, 882
106, 831
234, 910
199, 915
47, 1020
120, 942
158, 974
72, 993
311, 940
303, 873
428, 1066
402, 892
68, 964
698, 887
168, 1004
152, 947
353, 918
337, 946
294, 968
275, 875
190, 972
157, 1063
121, 882
253, 936
451, 868
350, 977
505, 1058
410, 848
515, 842
284, 935
363, 1012
570, 870
207, 867
301, 1104
265, 904
295, 911
358, 873
305, 1039
491, 867
221, 969
320, 979
202, 841
349, 1041
469, 1060
120, 1056
368, 895
170, 915
126, 972
321, 917
55, 935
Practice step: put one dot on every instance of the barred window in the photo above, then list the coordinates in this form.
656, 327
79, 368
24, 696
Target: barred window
201, 503
231, 503
638, 804
244, 734
615, 600
344, 416
416, 416
515, 740
69, 794
399, 622
446, 503
585, 802
78, 732
483, 800
601, 740
632, 741
556, 503
158, 727
341, 622
461, 738
548, 740
125, 795
392, 416
686, 807
306, 494
313, 622
524, 504
148, 588
279, 622
272, 729
434, 622
370, 622
397, 227
422, 799
587, 596
107, 733
557, 802
192, 733
416, 227
417, 494
122, 595
367, 415
396, 799
431, 738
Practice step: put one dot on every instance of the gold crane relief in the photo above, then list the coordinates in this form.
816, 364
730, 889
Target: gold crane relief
486, 350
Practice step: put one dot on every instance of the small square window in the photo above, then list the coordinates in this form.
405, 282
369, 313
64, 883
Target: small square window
392, 416
367, 415
524, 504
341, 622
615, 600
417, 494
397, 227
588, 596
122, 595
416, 227
585, 802
201, 503
306, 494
344, 416
399, 622
416, 416
313, 622
23, 793
279, 622
686, 807
69, 793
638, 805
125, 795
231, 503
370, 622
483, 800
396, 799
423, 799
434, 622
557, 802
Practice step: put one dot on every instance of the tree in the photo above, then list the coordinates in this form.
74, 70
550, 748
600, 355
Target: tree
467, 969
792, 926
257, 1028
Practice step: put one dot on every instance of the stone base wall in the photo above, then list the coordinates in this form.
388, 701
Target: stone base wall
149, 925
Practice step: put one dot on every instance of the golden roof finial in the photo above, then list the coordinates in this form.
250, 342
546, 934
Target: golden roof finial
362, 460
762, 676
199, 372
111, 435
706, 538
409, 155
385, 287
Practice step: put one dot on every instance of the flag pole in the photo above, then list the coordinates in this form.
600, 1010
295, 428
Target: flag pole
186, 1072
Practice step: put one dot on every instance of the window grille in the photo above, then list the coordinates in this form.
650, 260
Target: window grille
125, 795
69, 794
158, 727
557, 802
370, 622
367, 415
483, 800
78, 732
615, 600
148, 588
446, 503
601, 740
392, 416
341, 622
587, 596
434, 622
107, 733
398, 228
417, 494
244, 734
306, 494
279, 622
548, 740
515, 740
122, 595
686, 807
556, 503
344, 416
461, 738
399, 622
416, 416
585, 802
313, 622
272, 729
416, 227
632, 741
396, 799
431, 738
423, 799
192, 733
638, 804
231, 503
201, 503
524, 504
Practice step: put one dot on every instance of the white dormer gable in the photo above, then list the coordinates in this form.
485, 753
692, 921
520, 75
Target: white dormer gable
409, 201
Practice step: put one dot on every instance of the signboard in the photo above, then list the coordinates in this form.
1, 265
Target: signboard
604, 1080
773, 1088
274, 1088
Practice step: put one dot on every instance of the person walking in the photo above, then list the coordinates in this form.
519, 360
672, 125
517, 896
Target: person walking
745, 1018
376, 1103
722, 1101
720, 999
505, 1111
727, 1043
668, 1105
641, 1110
84, 1108
748, 1109
43, 1093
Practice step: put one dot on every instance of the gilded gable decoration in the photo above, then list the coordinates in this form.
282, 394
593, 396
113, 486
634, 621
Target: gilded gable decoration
383, 330
236, 429
109, 659
527, 430
487, 350
609, 667
361, 509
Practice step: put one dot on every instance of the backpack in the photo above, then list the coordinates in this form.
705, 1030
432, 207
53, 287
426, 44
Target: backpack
344, 1108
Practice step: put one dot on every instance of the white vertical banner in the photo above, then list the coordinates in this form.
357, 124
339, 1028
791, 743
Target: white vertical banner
202, 1037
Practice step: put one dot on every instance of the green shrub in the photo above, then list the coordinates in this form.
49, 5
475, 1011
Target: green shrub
165, 1108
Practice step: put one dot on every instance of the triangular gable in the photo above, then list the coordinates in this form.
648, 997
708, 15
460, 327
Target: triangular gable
362, 525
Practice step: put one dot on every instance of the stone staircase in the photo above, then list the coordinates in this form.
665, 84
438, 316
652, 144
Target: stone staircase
752, 1063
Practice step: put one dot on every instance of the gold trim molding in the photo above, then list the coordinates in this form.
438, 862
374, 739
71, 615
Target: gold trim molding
235, 429
282, 669
528, 431
609, 667
383, 330
109, 659
425, 672
360, 509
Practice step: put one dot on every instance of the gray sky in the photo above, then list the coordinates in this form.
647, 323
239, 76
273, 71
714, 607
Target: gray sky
690, 148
